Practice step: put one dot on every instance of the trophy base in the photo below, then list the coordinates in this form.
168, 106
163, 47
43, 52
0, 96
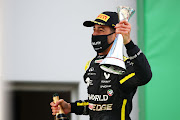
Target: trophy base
113, 69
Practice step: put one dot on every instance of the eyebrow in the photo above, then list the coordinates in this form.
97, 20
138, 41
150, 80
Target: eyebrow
99, 27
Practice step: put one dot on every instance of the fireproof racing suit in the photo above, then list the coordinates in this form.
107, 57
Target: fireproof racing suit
110, 95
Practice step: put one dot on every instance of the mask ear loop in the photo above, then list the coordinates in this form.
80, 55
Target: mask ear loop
111, 43
111, 34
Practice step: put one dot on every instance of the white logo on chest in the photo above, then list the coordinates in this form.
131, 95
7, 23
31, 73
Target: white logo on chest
89, 81
91, 69
106, 75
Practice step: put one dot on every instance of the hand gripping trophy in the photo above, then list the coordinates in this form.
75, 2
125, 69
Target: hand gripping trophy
114, 62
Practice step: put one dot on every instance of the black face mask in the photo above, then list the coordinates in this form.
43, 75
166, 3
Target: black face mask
99, 42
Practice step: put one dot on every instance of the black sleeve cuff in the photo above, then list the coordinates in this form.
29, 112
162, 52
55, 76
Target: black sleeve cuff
132, 49
80, 109
130, 45
73, 107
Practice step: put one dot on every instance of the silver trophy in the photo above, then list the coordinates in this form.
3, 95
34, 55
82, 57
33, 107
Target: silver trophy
114, 62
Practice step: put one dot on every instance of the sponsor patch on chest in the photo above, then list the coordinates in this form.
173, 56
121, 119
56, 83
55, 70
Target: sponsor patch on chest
105, 86
98, 97
105, 81
99, 107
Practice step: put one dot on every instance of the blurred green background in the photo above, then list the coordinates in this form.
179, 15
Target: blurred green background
159, 37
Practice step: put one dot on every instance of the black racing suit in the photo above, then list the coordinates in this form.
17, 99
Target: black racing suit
110, 95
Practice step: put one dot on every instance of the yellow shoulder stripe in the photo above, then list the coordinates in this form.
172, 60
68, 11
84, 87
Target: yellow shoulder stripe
87, 65
126, 78
82, 104
123, 109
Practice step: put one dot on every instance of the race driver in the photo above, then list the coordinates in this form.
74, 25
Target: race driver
109, 95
